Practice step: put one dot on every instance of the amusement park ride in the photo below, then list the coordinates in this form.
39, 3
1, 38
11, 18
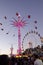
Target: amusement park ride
20, 23
31, 34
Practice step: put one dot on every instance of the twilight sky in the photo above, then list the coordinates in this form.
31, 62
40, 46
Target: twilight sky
8, 8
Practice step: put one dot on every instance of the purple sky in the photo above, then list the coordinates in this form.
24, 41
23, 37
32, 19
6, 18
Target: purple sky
9, 8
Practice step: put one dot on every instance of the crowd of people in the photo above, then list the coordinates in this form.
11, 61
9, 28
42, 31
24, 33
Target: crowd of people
33, 58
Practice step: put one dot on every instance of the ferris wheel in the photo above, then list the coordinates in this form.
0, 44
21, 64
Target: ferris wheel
31, 39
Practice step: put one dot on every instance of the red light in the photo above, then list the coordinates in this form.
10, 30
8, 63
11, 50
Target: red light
28, 16
17, 14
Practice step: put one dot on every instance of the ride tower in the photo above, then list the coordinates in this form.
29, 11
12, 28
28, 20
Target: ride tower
11, 54
20, 23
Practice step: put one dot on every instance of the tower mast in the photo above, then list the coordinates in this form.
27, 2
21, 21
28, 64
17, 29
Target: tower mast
11, 54
20, 23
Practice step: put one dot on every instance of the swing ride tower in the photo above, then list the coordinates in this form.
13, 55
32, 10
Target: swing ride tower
19, 23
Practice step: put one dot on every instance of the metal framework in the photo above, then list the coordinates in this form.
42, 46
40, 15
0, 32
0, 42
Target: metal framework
20, 23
